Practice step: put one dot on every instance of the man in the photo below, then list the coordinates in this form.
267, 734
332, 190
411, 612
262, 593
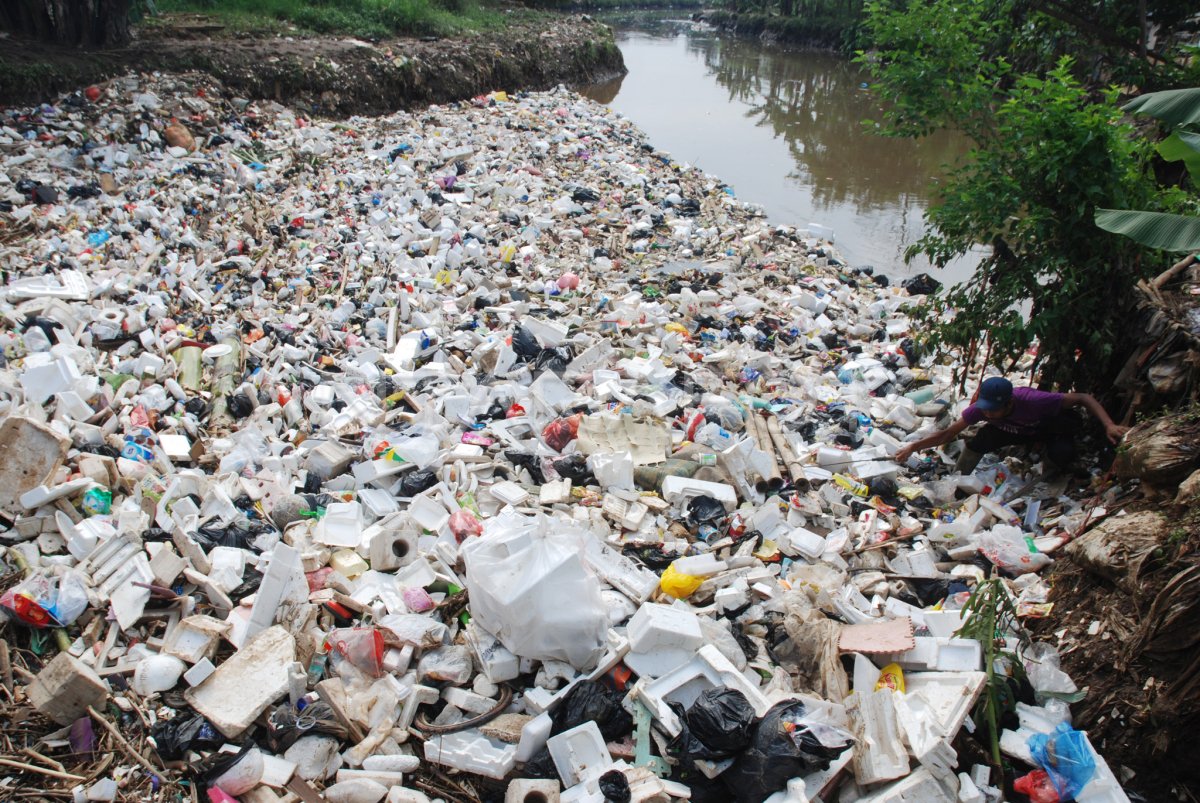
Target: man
1018, 416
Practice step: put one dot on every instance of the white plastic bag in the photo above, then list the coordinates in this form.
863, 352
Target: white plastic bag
529, 587
1006, 547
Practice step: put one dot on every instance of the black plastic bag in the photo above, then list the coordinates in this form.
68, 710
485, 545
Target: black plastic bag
723, 719
235, 535
776, 755
555, 360
174, 737
288, 723
592, 701
585, 195
921, 285
717, 726
615, 787
540, 766
525, 344
573, 467
704, 510
208, 770
530, 462
414, 482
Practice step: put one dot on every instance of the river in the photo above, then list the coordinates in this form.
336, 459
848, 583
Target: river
785, 129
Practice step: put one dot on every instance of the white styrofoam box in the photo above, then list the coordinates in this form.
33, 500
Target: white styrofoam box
534, 736
942, 654
631, 579
471, 751
959, 655
467, 700
508, 492
879, 754
700, 565
920, 787
342, 525
199, 673
328, 459
949, 695
42, 381
686, 682
579, 753
389, 545
428, 513
680, 489
661, 638
368, 471
806, 542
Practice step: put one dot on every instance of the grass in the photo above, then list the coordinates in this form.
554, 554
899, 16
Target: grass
367, 19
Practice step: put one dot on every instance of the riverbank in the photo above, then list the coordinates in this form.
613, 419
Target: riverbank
823, 32
329, 75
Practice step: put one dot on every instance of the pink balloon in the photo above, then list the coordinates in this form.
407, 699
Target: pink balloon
568, 281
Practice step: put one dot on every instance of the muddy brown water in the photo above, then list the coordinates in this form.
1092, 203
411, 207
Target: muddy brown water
785, 129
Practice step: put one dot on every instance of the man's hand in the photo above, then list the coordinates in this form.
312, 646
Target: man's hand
1114, 431
904, 453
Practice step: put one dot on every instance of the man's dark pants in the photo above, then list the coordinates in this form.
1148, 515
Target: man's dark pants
1057, 433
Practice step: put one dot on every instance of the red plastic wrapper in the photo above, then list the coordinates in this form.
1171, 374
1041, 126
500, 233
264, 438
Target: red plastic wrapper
560, 432
464, 524
316, 580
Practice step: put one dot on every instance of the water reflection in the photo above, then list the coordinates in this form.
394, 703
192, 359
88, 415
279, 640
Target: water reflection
785, 129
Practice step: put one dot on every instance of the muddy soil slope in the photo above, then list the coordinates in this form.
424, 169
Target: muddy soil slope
330, 75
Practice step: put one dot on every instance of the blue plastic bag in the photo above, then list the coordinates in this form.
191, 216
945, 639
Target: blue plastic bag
1066, 757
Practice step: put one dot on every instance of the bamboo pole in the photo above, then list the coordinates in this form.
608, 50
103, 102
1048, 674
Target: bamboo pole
794, 467
773, 480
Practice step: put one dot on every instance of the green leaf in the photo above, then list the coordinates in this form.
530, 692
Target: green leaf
1175, 106
1153, 229
1183, 146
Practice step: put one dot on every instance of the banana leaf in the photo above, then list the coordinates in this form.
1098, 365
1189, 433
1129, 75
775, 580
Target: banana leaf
1153, 229
1178, 107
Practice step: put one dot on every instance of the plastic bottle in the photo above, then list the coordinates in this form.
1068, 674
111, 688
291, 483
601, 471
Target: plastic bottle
921, 395
316, 669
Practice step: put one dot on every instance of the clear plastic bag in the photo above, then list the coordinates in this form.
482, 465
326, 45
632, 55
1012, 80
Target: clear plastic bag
448, 664
1007, 547
47, 601
361, 647
1044, 672
529, 587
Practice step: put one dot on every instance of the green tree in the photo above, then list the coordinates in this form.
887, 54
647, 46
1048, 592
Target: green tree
77, 23
1048, 152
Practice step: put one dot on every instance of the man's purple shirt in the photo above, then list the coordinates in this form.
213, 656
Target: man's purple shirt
1030, 408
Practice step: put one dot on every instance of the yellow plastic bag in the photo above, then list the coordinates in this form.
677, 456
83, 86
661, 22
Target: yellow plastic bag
891, 677
678, 584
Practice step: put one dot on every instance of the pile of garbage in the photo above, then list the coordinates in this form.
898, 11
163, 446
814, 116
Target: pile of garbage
482, 453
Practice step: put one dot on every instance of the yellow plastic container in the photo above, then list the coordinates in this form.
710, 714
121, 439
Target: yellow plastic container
348, 563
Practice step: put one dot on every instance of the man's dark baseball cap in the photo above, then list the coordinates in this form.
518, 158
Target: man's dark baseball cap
994, 393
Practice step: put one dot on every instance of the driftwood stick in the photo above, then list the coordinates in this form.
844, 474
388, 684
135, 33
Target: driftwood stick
123, 742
